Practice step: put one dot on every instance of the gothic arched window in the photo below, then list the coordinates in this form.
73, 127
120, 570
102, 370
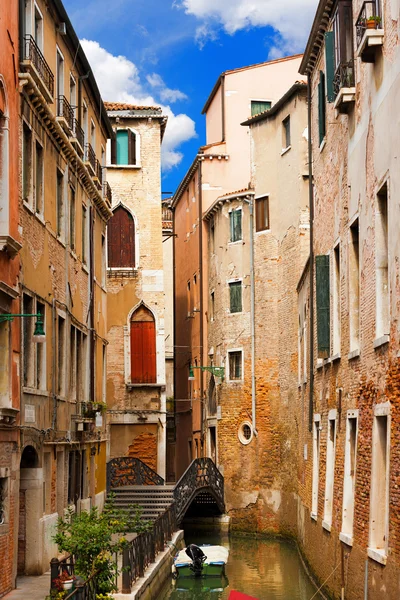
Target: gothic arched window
121, 239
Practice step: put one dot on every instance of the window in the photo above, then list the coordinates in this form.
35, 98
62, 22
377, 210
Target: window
92, 134
84, 233
85, 121
343, 45
235, 295
4, 163
321, 107
262, 213
379, 503
212, 306
286, 133
124, 148
3, 500
72, 93
40, 350
77, 364
60, 74
103, 260
382, 263
330, 470
72, 372
5, 391
212, 236
188, 300
121, 239
61, 355
350, 456
34, 355
235, 217
315, 473
336, 301
354, 286
235, 365
143, 347
60, 204
38, 179
72, 217
323, 305
259, 106
27, 164
47, 483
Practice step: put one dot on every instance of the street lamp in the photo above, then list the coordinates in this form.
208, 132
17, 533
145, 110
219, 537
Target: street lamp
39, 335
217, 371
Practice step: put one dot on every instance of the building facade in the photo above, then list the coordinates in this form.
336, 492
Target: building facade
258, 247
10, 244
221, 167
64, 208
349, 505
136, 376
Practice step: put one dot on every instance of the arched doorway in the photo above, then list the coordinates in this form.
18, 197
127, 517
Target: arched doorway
30, 505
143, 346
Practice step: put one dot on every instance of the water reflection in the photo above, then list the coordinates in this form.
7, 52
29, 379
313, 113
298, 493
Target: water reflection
266, 569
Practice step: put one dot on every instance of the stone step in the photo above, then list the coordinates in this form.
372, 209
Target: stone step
143, 488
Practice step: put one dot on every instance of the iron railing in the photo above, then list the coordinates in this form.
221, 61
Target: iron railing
32, 52
142, 551
79, 134
90, 156
127, 470
344, 76
369, 9
99, 172
107, 192
201, 475
166, 213
65, 110
87, 590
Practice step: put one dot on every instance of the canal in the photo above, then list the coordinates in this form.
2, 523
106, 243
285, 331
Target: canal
266, 569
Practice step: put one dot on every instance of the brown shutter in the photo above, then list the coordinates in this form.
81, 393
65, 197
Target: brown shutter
114, 149
121, 239
143, 352
131, 148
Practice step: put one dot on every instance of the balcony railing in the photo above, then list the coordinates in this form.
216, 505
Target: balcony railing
65, 111
166, 213
78, 134
107, 192
366, 20
99, 172
344, 76
33, 54
90, 157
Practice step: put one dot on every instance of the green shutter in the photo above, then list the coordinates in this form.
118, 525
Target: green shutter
236, 225
321, 107
122, 147
235, 290
329, 65
323, 305
258, 107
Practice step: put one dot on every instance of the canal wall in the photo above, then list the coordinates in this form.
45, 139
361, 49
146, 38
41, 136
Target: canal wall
149, 586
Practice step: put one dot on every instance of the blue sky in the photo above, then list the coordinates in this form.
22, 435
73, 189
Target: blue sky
171, 52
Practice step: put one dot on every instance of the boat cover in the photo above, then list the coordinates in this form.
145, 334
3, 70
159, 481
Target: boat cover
214, 554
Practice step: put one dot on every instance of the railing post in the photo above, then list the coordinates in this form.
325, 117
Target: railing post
80, 591
126, 572
54, 571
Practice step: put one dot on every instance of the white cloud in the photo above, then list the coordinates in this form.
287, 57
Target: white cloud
119, 80
290, 18
165, 93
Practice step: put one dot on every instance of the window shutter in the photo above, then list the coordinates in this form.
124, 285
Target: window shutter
329, 65
323, 305
143, 352
236, 225
235, 290
121, 239
131, 148
321, 106
114, 149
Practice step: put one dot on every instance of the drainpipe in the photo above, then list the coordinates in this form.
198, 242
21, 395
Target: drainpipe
311, 203
91, 305
223, 107
201, 302
54, 364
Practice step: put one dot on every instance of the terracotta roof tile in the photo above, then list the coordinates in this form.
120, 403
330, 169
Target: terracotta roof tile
124, 106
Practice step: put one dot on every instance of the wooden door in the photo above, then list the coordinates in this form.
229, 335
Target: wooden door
143, 352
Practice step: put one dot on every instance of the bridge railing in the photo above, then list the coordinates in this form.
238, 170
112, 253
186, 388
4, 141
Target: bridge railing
201, 474
127, 470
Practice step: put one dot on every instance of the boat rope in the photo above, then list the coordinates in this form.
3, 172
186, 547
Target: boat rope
320, 588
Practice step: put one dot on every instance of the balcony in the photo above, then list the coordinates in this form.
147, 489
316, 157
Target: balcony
65, 114
78, 137
90, 159
98, 177
344, 87
35, 64
107, 194
368, 31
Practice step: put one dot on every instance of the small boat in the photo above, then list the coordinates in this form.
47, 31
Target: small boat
239, 596
200, 561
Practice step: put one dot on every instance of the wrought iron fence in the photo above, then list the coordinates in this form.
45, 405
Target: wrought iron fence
79, 134
369, 10
87, 590
90, 156
127, 470
344, 76
142, 551
65, 110
32, 52
99, 172
202, 474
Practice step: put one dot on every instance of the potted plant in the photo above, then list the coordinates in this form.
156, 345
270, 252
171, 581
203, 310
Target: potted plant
64, 581
373, 22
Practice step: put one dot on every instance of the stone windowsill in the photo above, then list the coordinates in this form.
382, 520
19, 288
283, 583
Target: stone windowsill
381, 341
34, 391
327, 526
354, 354
313, 516
346, 538
335, 357
285, 150
378, 555
134, 386
322, 144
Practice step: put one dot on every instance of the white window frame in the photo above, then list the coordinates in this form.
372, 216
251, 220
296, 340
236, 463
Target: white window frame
354, 320
349, 483
235, 280
336, 301
315, 467
60, 83
330, 470
230, 351
377, 505
138, 164
231, 210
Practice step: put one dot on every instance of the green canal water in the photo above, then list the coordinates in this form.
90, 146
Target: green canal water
266, 569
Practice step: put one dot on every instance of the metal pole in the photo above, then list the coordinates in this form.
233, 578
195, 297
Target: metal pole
252, 317
366, 581
311, 209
